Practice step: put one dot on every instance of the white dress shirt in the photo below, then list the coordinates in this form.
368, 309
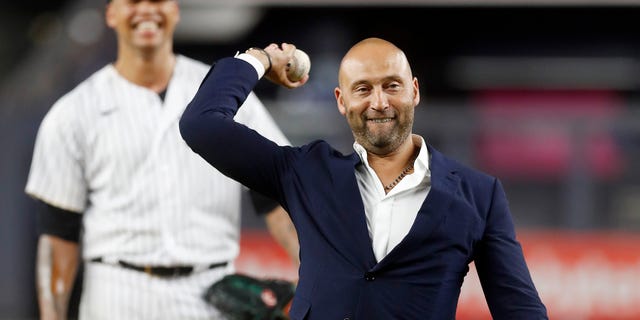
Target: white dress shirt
390, 216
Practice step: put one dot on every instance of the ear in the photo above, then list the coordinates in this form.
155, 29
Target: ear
340, 101
416, 92
109, 15
177, 11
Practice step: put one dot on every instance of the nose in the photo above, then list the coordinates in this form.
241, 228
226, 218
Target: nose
379, 100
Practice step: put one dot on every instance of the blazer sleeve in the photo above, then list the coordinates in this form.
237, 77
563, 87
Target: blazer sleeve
208, 127
501, 267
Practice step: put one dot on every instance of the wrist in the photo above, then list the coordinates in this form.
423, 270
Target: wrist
262, 56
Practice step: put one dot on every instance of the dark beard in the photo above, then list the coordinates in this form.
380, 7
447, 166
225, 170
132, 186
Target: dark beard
383, 144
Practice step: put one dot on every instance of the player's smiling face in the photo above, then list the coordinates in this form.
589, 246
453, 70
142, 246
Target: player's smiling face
377, 95
143, 25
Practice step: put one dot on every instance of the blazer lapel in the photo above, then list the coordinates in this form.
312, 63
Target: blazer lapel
444, 185
352, 222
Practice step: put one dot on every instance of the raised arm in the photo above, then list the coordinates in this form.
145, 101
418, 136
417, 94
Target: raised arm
208, 127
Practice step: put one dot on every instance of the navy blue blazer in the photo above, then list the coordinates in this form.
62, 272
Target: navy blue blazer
464, 218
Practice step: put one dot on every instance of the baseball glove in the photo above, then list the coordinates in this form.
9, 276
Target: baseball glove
241, 297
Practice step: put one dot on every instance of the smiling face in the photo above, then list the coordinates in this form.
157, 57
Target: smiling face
143, 25
377, 94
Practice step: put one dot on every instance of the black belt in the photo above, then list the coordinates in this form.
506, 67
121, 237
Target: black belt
162, 271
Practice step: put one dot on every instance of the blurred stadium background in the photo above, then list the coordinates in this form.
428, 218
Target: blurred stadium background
543, 94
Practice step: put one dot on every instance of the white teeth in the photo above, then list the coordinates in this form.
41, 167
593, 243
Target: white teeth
147, 26
381, 120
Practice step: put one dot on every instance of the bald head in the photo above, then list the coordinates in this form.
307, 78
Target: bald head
369, 55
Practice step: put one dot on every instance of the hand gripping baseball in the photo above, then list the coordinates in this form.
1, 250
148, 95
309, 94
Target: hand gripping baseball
289, 66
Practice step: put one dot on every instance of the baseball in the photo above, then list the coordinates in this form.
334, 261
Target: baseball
299, 66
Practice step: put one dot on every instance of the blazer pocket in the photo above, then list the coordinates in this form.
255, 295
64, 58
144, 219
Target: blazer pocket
299, 308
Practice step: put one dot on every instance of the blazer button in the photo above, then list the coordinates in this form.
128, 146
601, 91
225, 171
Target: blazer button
369, 276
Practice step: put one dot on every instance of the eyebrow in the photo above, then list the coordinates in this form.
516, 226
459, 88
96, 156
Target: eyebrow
384, 79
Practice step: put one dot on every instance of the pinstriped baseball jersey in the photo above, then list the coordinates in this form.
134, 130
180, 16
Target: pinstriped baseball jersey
111, 150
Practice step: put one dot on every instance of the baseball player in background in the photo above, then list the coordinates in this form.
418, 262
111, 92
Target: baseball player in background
158, 224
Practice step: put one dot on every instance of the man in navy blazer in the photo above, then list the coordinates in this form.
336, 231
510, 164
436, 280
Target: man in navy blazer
386, 232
